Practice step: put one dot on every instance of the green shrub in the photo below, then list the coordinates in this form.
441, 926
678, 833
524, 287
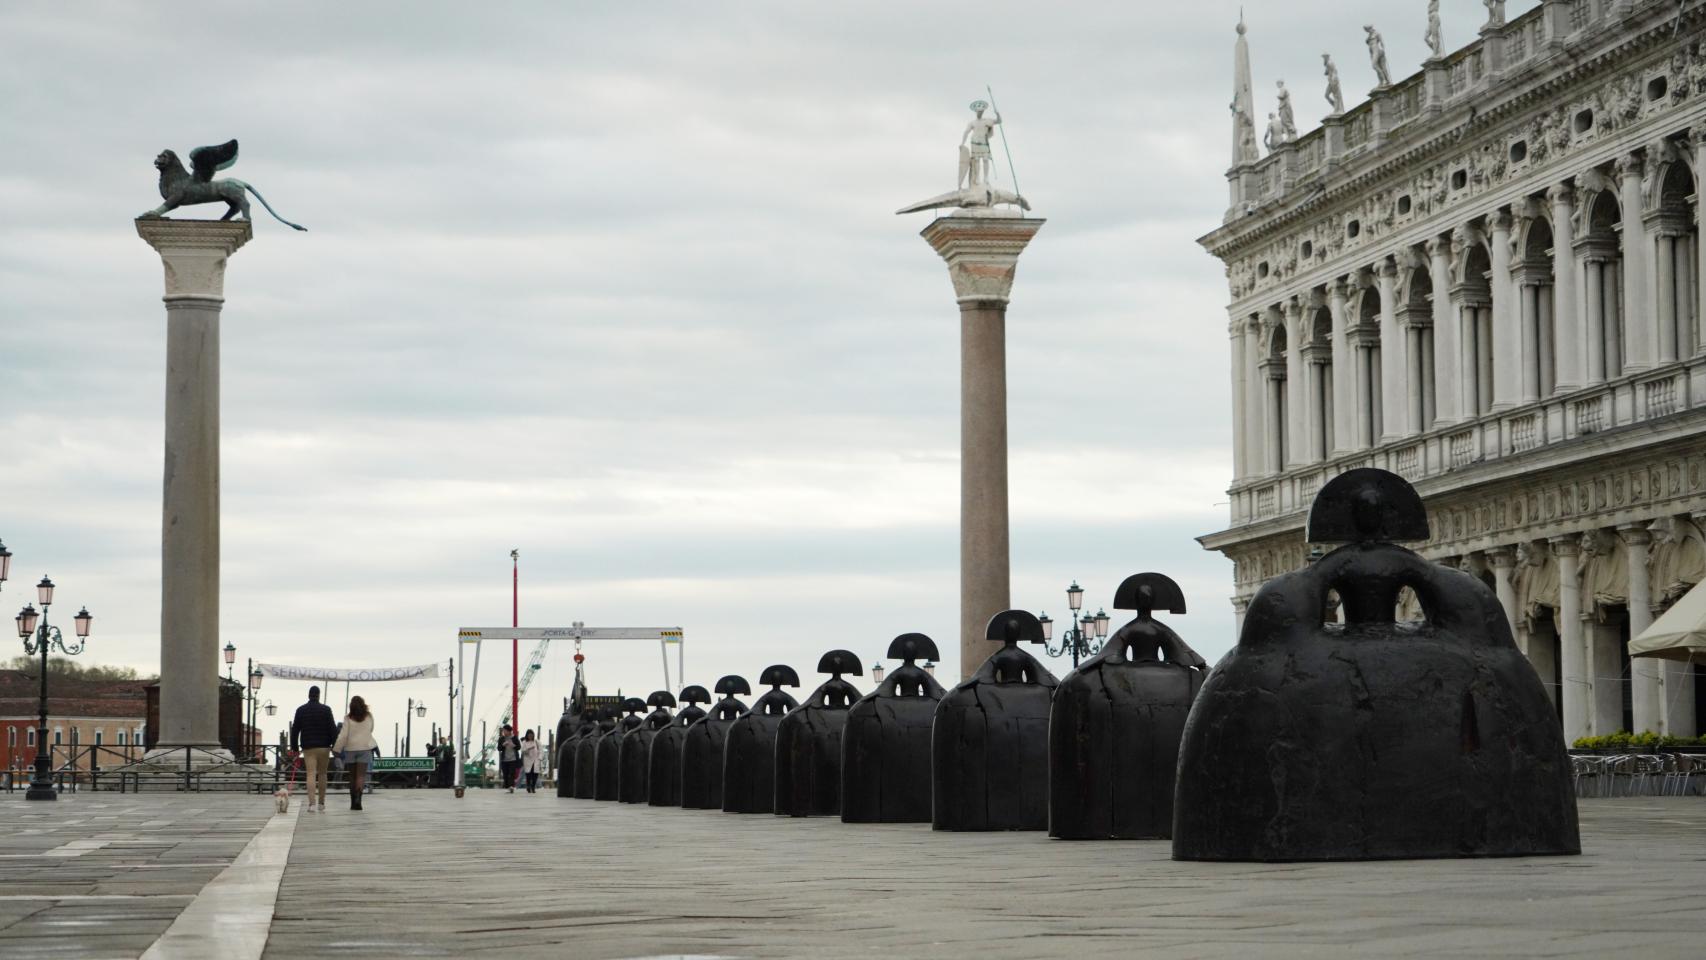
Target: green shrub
1645, 740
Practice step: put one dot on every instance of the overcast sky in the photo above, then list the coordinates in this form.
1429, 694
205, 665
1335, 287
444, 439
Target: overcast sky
621, 285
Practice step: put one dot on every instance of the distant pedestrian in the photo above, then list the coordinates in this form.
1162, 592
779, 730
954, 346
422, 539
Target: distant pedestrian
509, 756
530, 760
314, 730
357, 746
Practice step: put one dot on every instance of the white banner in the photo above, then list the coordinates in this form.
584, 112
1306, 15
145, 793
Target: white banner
423, 671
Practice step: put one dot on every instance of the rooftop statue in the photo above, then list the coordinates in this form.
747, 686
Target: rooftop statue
1435, 42
1495, 12
1377, 56
180, 187
973, 192
1275, 137
1288, 119
1335, 96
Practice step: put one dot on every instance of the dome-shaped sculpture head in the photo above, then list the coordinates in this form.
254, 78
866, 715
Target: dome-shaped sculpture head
733, 686
1366, 505
838, 662
778, 676
912, 646
660, 698
1012, 627
633, 705
1147, 592
695, 694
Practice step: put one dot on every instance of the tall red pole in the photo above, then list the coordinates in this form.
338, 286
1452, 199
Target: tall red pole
514, 643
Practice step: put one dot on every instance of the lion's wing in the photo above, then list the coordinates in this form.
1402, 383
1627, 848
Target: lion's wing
205, 161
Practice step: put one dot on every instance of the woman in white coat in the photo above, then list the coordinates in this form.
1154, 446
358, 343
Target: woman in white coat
530, 760
357, 747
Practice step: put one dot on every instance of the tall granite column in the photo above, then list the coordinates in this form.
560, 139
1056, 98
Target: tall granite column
194, 254
982, 254
1646, 702
1572, 655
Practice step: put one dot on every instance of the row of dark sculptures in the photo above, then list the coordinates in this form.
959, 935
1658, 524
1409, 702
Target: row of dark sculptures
1311, 740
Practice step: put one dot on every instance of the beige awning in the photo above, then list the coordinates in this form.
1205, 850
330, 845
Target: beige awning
1680, 633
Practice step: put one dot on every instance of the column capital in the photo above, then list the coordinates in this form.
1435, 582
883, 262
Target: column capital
194, 253
1437, 246
1499, 221
1697, 135
1568, 545
1387, 269
1501, 558
1629, 166
1339, 288
982, 253
1561, 195
1635, 533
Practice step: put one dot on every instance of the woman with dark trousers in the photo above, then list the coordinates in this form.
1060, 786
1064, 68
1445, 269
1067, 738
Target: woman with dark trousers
509, 756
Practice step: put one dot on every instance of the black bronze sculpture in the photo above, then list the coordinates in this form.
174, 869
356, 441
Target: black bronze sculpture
989, 744
749, 752
808, 743
702, 748
885, 750
606, 782
663, 764
566, 754
1115, 727
633, 777
1373, 739
180, 187
586, 755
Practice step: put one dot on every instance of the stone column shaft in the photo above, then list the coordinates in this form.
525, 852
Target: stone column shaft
193, 253
1344, 370
1566, 321
1255, 395
1665, 268
1638, 323
1503, 560
1447, 407
1646, 707
1296, 401
1572, 655
1240, 465
1506, 338
982, 254
1392, 360
1697, 136
1593, 314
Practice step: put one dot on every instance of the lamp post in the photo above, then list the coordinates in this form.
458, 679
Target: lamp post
254, 701
230, 658
38, 636
417, 708
1084, 638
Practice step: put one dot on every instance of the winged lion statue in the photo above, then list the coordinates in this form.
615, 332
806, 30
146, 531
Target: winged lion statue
180, 187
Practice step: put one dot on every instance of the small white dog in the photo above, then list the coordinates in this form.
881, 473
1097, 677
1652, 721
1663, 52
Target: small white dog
281, 797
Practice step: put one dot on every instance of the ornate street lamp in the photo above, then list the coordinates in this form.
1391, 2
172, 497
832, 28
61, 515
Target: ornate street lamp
416, 708
5, 563
39, 637
1084, 635
230, 657
254, 704
877, 672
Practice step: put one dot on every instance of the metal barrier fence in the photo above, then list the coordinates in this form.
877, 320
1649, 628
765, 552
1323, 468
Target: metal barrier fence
263, 770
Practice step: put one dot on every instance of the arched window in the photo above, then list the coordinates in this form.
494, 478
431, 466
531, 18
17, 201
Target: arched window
1273, 368
1416, 317
1318, 367
1602, 279
1534, 284
30, 737
1473, 296
1365, 349
1676, 237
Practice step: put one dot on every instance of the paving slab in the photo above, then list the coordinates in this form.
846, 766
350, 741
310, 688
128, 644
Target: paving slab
104, 875
419, 873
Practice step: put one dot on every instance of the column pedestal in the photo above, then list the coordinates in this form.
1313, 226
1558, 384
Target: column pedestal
193, 253
982, 253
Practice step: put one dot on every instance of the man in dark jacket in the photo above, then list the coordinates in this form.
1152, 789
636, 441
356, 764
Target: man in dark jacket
314, 730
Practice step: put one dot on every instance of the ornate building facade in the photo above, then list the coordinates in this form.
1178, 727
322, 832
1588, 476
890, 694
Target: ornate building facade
1487, 278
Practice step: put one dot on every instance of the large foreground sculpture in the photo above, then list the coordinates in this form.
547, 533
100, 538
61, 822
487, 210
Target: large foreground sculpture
1373, 739
989, 741
1115, 728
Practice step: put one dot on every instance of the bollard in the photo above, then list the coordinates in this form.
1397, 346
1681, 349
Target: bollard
566, 753
989, 744
663, 762
808, 743
586, 755
1373, 739
1116, 723
633, 777
749, 752
607, 778
702, 748
885, 750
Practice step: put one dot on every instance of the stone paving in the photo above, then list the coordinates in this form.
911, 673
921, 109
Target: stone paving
103, 875
419, 873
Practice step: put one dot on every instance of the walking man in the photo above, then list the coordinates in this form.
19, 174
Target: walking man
509, 756
314, 730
